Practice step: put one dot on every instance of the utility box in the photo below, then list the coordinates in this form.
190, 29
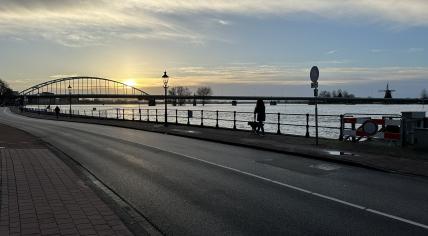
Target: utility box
410, 122
421, 139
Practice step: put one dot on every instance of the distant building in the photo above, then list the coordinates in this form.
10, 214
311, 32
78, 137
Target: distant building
387, 91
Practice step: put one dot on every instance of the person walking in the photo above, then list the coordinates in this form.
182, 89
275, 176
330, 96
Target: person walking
57, 110
260, 112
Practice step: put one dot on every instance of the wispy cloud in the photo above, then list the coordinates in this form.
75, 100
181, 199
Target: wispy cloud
331, 52
84, 22
413, 50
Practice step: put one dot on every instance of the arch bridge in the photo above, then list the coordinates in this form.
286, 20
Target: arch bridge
83, 87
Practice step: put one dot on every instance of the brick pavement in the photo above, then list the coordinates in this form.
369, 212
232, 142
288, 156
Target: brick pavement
41, 195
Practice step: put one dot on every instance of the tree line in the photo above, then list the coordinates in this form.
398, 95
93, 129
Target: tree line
182, 91
5, 93
336, 94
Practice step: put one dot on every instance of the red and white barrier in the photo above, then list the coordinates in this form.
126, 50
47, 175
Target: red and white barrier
385, 128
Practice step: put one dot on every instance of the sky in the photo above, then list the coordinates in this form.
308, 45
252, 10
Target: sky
247, 47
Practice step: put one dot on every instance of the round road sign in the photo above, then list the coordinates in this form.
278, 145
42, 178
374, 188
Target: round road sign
315, 73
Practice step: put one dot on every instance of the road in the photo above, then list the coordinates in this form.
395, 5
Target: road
192, 187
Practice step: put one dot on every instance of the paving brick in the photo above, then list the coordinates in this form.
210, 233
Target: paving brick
41, 195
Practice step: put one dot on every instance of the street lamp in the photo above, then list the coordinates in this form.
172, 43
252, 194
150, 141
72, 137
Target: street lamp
165, 78
69, 93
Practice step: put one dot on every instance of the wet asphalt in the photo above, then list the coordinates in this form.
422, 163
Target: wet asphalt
192, 187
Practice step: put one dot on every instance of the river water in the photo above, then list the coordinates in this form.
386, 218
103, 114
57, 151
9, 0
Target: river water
292, 117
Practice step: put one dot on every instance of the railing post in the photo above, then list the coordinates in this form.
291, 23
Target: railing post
234, 119
202, 117
148, 115
342, 127
279, 124
176, 116
117, 113
92, 113
216, 119
123, 114
353, 129
188, 117
307, 126
157, 115
139, 112
133, 118
99, 114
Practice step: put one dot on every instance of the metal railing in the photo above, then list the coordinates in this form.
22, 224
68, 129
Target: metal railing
276, 123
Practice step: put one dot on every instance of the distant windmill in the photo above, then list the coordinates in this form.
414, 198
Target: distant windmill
388, 92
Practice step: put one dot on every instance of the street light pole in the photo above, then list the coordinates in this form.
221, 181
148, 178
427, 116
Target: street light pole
165, 78
69, 93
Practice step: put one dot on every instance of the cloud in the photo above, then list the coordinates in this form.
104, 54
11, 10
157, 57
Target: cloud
331, 52
88, 22
413, 50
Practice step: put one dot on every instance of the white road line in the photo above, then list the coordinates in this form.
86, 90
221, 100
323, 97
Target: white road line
304, 191
297, 189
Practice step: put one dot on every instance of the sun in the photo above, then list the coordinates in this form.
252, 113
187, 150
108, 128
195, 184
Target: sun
130, 82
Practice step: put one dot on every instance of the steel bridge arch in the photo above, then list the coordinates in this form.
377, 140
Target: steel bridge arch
31, 90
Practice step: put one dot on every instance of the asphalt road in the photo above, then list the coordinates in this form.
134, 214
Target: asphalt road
192, 187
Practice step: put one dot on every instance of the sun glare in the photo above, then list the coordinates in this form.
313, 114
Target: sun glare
130, 82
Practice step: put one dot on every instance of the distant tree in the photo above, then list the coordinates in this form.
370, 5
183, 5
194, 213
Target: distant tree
179, 91
424, 94
5, 92
325, 94
204, 92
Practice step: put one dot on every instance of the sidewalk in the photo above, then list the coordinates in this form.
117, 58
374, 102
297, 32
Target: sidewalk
381, 156
41, 195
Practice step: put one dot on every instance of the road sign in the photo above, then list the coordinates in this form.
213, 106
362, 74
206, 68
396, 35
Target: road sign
315, 73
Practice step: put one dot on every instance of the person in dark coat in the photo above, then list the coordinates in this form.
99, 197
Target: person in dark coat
57, 110
260, 112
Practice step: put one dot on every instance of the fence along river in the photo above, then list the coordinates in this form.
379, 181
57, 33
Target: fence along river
294, 119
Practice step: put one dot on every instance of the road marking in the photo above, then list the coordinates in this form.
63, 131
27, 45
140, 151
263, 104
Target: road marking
326, 167
304, 190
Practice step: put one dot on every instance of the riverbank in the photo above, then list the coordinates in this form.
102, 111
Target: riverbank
389, 157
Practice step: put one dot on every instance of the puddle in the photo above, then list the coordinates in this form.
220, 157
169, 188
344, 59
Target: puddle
186, 131
340, 153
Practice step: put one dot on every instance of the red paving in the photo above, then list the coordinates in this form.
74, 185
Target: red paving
41, 195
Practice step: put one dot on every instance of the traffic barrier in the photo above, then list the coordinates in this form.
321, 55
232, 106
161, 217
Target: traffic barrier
386, 128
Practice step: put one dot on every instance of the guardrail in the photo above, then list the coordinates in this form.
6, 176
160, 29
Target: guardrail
276, 123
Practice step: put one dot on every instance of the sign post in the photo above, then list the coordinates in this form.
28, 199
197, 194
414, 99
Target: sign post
314, 78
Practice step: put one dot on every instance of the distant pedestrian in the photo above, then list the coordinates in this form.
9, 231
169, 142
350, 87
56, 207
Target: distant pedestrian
260, 112
57, 110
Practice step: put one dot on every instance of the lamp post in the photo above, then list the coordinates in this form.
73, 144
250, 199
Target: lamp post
69, 93
165, 78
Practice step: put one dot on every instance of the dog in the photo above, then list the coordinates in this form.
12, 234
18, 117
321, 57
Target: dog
254, 125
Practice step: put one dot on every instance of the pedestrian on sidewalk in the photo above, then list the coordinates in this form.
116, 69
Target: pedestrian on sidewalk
260, 112
57, 110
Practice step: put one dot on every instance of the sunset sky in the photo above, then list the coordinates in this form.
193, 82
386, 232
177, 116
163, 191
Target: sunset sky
247, 47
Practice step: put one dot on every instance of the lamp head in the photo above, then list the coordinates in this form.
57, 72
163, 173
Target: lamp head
165, 78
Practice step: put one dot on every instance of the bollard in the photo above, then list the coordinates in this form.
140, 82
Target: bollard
216, 119
202, 117
123, 114
99, 114
307, 126
176, 116
234, 119
279, 124
139, 112
148, 115
342, 127
133, 118
117, 113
